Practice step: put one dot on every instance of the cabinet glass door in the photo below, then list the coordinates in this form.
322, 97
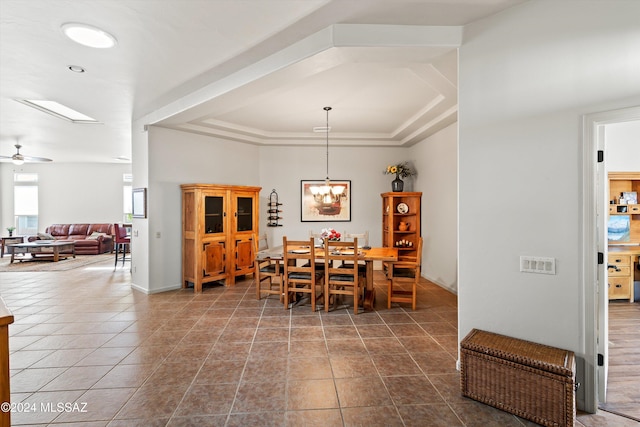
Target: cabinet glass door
244, 210
213, 214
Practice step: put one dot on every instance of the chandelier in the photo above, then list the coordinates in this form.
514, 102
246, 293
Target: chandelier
327, 197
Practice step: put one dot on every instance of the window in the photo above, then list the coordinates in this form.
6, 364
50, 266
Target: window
127, 197
25, 203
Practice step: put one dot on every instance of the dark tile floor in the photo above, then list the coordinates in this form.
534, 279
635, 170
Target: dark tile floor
87, 350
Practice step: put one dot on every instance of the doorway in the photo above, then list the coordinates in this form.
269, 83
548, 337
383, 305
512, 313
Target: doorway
595, 215
622, 155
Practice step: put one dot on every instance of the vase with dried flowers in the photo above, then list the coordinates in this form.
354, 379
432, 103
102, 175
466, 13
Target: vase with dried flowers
401, 170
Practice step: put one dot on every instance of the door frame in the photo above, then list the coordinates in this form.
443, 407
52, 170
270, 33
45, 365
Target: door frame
594, 240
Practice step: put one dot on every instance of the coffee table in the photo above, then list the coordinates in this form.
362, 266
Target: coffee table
44, 248
7, 240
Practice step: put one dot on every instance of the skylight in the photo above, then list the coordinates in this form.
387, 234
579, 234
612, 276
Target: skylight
56, 109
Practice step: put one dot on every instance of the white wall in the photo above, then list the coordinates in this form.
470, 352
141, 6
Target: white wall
526, 78
181, 158
436, 158
623, 146
69, 192
282, 169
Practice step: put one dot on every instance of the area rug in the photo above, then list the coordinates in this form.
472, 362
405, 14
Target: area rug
47, 265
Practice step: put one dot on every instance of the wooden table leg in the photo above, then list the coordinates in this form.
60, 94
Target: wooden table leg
369, 292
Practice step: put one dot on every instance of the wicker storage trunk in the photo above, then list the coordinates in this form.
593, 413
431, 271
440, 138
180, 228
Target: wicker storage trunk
530, 380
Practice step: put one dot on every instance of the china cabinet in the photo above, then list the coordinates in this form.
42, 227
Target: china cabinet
218, 227
401, 222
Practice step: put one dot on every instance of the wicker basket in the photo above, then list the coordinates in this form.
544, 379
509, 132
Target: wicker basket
530, 380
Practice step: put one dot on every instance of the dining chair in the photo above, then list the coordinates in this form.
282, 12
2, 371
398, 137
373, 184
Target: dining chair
315, 235
122, 242
268, 271
403, 278
300, 272
317, 240
363, 239
341, 275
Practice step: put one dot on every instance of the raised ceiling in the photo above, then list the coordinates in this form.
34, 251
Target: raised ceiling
248, 71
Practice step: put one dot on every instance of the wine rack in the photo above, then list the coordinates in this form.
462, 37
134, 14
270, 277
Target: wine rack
274, 211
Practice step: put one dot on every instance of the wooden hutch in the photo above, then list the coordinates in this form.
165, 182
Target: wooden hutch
401, 222
624, 234
218, 227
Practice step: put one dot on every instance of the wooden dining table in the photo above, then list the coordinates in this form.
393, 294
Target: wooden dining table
368, 255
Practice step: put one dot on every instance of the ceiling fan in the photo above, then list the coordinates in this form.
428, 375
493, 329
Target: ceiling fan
18, 158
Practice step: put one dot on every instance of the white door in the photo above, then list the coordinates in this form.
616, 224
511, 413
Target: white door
602, 296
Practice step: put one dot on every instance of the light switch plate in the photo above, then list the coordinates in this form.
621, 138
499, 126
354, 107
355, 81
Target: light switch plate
536, 264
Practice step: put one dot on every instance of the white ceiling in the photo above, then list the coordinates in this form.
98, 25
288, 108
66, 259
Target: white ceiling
247, 70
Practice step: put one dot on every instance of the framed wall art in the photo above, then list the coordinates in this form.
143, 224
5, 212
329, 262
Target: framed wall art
139, 203
320, 202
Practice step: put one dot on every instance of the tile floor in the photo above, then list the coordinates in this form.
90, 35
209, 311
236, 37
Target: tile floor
87, 350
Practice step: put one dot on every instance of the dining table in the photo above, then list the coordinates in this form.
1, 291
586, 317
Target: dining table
366, 254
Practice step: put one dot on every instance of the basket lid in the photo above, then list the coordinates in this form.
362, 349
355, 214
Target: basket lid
540, 356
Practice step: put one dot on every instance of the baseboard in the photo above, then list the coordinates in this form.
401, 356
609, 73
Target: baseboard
442, 285
155, 291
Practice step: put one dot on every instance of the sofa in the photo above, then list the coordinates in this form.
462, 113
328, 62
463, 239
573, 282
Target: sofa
89, 239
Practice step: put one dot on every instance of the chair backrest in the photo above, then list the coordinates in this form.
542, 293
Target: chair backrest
414, 264
316, 236
120, 234
295, 250
363, 238
419, 252
262, 242
341, 261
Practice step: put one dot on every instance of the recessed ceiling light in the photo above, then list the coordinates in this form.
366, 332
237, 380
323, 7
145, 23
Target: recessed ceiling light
56, 109
76, 68
88, 35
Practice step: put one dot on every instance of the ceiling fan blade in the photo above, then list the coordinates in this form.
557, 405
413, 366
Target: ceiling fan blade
25, 158
36, 159
19, 157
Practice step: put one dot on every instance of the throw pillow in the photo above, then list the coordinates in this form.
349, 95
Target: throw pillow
45, 236
95, 235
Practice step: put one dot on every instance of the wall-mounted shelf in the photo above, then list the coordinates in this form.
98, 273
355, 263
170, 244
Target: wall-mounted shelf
274, 211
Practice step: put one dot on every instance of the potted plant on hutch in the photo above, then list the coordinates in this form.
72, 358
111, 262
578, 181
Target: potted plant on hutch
401, 170
10, 230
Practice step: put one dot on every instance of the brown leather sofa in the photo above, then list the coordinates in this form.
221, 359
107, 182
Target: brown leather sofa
89, 239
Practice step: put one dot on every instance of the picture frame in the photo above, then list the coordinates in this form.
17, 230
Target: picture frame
630, 197
619, 228
139, 203
318, 206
